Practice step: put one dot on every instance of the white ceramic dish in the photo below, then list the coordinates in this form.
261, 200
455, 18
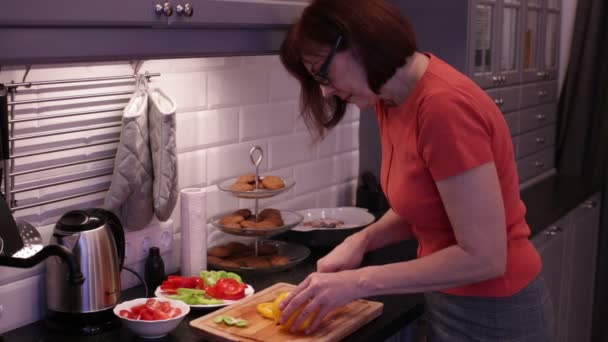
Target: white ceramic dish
353, 217
249, 291
151, 329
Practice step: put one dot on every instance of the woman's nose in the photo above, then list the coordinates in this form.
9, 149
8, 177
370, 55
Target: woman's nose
327, 90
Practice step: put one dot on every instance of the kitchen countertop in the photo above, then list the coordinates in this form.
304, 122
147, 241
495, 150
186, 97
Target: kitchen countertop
546, 201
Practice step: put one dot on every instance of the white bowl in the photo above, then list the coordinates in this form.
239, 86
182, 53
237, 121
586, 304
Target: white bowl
152, 329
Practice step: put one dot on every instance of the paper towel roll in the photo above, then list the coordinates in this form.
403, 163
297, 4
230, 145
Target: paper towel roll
194, 231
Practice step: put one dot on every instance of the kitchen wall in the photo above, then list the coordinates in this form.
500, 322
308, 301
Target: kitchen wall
225, 106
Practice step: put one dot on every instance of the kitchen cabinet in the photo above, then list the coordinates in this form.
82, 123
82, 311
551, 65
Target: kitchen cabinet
509, 48
151, 13
495, 42
541, 40
568, 250
551, 247
236, 13
29, 13
582, 238
72, 31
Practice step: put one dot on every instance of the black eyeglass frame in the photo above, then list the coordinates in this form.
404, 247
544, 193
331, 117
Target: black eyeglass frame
321, 76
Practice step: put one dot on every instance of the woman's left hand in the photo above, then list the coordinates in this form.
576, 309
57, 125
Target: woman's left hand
326, 291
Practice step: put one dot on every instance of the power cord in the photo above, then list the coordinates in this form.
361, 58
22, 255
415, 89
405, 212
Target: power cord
143, 282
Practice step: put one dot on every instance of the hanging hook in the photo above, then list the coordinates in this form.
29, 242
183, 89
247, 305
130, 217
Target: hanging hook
27, 71
144, 81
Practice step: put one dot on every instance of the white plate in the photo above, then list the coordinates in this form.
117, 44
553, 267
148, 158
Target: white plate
353, 217
249, 291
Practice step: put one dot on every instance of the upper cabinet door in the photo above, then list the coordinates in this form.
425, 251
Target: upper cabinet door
510, 42
541, 40
484, 43
83, 13
551, 41
237, 13
531, 63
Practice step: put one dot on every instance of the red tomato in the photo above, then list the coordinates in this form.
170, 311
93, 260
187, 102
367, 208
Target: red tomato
127, 314
231, 289
147, 314
152, 303
213, 291
165, 307
175, 312
136, 310
159, 315
167, 286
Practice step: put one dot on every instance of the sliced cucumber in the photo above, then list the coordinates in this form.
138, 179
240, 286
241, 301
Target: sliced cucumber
241, 323
218, 319
230, 320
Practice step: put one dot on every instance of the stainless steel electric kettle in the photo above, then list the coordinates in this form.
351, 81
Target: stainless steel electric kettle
97, 240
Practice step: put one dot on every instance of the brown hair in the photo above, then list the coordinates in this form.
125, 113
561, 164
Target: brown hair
375, 31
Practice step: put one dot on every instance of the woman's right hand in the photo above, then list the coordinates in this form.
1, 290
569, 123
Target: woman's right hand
347, 256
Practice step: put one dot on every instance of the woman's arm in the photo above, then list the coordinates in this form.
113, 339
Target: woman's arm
389, 229
473, 202
349, 254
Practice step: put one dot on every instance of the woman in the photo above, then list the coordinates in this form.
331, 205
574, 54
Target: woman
448, 171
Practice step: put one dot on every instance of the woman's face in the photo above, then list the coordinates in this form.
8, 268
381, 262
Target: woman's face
347, 78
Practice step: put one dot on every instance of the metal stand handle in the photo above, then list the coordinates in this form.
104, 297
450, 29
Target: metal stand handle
256, 161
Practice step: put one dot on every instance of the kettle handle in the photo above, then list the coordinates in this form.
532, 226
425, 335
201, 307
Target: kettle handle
117, 231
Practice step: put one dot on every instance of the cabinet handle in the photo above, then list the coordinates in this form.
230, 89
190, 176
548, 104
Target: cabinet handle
186, 10
541, 117
495, 79
589, 204
540, 140
539, 164
503, 79
165, 9
553, 230
499, 102
542, 93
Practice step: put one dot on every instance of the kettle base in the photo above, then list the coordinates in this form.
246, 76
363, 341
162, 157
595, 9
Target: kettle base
86, 323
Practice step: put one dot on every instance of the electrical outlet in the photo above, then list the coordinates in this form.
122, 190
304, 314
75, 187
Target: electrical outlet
132, 244
164, 239
145, 244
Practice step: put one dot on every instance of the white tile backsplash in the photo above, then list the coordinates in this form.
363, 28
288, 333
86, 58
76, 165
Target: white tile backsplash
315, 175
188, 90
282, 85
195, 160
232, 160
348, 137
226, 105
207, 128
290, 149
238, 87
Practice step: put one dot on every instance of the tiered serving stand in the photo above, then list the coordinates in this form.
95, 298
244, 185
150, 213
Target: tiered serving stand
294, 252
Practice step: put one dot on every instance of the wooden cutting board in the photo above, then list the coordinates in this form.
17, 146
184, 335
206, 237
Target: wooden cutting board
339, 324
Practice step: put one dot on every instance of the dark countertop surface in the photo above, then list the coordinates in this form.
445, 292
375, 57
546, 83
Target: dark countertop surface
546, 201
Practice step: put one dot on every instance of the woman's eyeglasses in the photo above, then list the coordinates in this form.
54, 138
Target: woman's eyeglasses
322, 75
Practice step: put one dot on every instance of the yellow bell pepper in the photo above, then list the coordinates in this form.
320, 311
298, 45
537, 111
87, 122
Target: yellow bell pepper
278, 312
265, 309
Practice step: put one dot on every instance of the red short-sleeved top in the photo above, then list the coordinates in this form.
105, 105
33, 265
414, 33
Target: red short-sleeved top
449, 125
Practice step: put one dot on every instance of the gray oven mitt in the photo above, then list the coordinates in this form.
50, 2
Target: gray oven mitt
130, 193
164, 156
